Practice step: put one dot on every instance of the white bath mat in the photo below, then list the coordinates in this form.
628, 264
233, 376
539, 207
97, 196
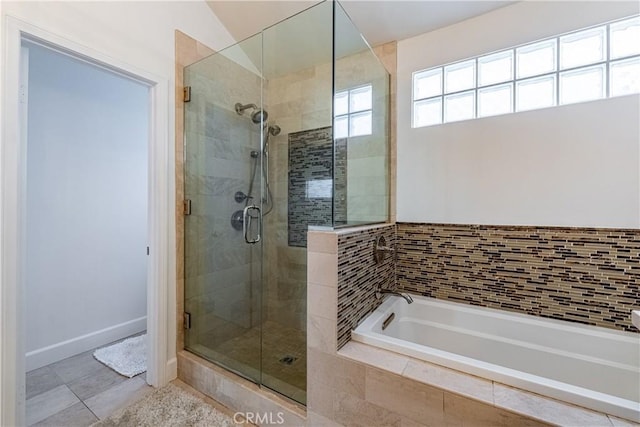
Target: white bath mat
128, 358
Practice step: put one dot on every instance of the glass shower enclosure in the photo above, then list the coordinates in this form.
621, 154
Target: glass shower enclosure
285, 130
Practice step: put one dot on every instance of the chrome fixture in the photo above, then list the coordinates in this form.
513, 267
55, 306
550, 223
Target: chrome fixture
258, 116
274, 130
237, 220
247, 220
240, 197
380, 293
380, 249
243, 219
388, 320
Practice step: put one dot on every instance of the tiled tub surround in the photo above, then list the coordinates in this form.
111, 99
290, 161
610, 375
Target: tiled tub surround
421, 393
359, 276
586, 365
583, 275
361, 385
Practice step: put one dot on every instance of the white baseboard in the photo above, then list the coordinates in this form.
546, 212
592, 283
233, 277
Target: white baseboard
53, 353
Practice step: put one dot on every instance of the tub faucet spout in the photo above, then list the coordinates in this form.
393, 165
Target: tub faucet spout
406, 297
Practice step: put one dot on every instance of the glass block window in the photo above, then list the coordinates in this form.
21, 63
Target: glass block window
353, 112
584, 65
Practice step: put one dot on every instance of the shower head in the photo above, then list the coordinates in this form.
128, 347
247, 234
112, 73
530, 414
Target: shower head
259, 116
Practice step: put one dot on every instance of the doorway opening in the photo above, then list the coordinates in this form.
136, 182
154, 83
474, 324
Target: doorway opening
85, 232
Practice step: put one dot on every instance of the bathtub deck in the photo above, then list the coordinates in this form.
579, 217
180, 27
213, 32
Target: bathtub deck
501, 396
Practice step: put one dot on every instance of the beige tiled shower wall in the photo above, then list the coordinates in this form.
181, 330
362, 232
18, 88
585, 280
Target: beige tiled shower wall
296, 101
187, 51
584, 275
302, 101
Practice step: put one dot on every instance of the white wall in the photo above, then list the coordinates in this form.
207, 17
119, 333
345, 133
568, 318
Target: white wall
575, 165
140, 34
86, 207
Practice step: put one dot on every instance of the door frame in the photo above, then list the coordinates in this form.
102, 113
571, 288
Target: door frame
12, 179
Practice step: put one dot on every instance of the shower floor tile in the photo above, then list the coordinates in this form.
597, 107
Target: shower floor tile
243, 354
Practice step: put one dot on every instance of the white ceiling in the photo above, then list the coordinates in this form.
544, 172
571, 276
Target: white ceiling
380, 21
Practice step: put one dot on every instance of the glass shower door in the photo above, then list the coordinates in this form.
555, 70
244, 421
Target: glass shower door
223, 232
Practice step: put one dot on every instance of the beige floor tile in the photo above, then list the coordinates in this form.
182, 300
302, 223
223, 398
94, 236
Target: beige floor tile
49, 403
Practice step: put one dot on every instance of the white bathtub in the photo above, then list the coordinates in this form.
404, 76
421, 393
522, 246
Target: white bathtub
594, 367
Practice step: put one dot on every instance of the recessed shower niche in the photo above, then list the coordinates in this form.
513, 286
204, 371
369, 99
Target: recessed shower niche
284, 130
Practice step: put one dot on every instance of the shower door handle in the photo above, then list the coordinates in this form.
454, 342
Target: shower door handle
246, 223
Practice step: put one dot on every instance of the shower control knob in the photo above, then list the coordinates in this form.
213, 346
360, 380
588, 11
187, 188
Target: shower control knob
240, 197
237, 220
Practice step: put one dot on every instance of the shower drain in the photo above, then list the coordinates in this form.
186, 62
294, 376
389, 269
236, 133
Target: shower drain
288, 360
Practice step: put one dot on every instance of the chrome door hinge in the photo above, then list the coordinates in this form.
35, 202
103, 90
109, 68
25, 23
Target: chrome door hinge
186, 207
186, 94
187, 320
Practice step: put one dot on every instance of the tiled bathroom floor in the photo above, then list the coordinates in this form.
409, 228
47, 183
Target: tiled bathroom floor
78, 391
243, 354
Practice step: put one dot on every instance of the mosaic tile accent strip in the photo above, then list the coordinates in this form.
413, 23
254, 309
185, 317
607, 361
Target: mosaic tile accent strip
359, 276
589, 276
310, 198
340, 187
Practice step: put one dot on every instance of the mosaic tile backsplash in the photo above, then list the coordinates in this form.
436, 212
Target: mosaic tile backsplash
310, 200
359, 276
589, 276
